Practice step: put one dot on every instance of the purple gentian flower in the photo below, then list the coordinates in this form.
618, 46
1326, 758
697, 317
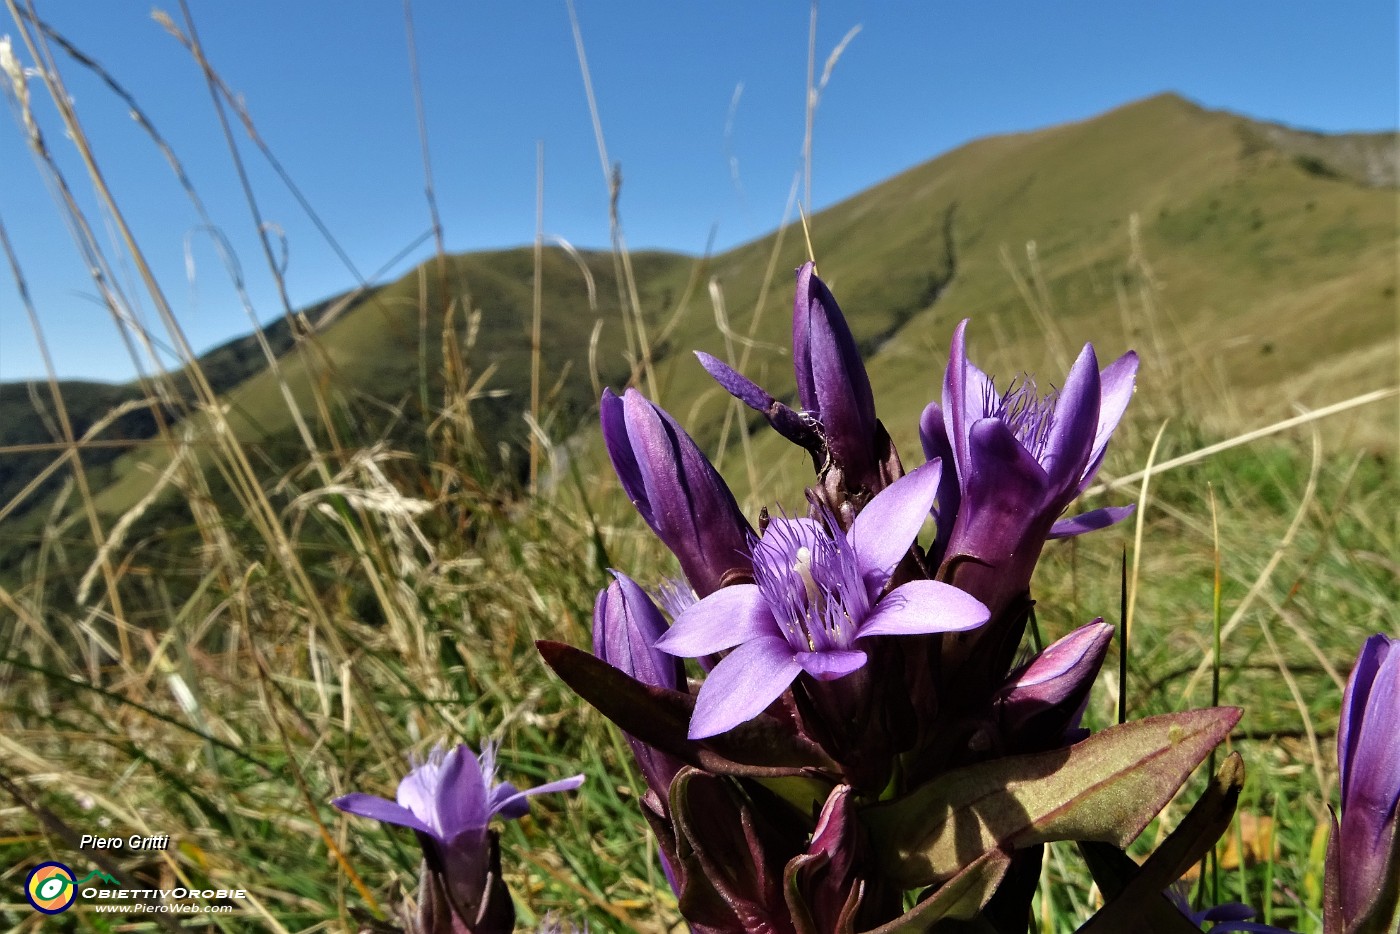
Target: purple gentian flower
1363, 855
449, 800
1229, 917
552, 923
677, 490
626, 627
817, 594
1019, 458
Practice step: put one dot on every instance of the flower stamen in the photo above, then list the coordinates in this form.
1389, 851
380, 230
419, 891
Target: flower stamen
1029, 415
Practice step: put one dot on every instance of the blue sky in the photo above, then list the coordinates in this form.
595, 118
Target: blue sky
701, 103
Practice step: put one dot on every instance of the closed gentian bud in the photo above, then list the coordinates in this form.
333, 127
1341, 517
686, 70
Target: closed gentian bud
448, 801
1363, 866
626, 625
731, 853
832, 384
1042, 702
823, 889
677, 490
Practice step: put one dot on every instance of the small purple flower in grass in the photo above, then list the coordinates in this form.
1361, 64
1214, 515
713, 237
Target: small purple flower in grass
817, 595
1229, 917
1363, 854
1019, 458
676, 489
449, 800
452, 795
554, 924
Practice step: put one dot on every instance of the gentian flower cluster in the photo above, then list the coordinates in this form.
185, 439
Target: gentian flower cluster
868, 746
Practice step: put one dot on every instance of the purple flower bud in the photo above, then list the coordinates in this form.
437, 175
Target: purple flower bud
832, 383
449, 800
677, 490
1020, 459
825, 878
732, 852
1042, 702
1363, 865
626, 626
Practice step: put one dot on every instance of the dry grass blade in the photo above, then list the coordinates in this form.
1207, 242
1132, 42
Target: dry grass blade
1378, 395
1139, 525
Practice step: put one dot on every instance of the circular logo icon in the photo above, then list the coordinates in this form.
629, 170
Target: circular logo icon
50, 888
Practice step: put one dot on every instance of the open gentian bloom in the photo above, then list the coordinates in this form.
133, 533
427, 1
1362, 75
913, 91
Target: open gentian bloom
676, 489
449, 800
1363, 855
1020, 459
817, 595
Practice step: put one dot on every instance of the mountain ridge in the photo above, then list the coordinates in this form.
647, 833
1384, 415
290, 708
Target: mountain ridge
1240, 228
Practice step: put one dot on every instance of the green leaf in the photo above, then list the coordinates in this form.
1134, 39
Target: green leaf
1107, 788
960, 898
659, 717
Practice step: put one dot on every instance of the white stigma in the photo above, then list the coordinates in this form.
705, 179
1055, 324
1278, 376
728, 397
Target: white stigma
803, 568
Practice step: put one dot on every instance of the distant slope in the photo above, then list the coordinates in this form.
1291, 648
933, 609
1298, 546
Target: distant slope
1249, 262
30, 426
1240, 273
380, 363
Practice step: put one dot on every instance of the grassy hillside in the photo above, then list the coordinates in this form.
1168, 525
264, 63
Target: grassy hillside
1249, 281
378, 373
1203, 228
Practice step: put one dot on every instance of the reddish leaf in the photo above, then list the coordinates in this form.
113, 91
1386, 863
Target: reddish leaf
1107, 788
659, 717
